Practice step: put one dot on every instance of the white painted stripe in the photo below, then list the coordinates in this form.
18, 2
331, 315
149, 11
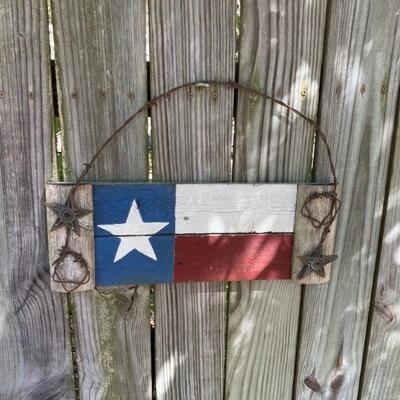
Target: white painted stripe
235, 208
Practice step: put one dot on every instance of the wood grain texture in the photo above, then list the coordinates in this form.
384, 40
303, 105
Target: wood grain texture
233, 257
198, 208
82, 244
281, 47
280, 53
261, 339
35, 353
234, 208
102, 76
192, 40
381, 371
190, 340
100, 56
357, 113
306, 237
113, 347
192, 142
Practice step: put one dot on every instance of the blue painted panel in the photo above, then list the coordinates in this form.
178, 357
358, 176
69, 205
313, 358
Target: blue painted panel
156, 204
113, 202
135, 268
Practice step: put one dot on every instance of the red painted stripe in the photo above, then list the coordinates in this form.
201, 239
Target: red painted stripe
233, 257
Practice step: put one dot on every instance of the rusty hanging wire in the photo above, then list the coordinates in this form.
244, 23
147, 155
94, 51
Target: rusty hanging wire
332, 196
227, 84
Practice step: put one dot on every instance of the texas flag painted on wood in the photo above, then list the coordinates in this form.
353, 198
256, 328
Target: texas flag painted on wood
162, 233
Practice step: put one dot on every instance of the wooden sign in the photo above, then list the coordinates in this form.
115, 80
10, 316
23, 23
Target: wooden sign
164, 233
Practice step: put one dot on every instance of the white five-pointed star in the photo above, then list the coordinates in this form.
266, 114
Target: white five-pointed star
134, 225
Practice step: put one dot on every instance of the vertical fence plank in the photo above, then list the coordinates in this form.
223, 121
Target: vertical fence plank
360, 88
280, 53
382, 373
35, 354
192, 142
100, 52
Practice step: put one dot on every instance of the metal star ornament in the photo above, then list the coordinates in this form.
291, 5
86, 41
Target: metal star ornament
67, 215
315, 262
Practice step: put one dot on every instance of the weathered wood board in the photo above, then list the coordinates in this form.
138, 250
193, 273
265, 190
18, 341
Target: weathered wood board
233, 257
234, 208
358, 107
70, 270
102, 79
35, 349
199, 208
281, 53
192, 138
381, 368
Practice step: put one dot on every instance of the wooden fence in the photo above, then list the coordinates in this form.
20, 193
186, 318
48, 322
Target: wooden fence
338, 62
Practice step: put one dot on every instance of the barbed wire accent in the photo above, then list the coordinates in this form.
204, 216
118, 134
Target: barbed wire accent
83, 275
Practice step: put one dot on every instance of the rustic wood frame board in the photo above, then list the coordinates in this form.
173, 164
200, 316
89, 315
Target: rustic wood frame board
146, 233
84, 244
307, 236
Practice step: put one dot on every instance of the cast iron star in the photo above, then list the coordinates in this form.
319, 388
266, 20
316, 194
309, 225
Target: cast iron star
67, 215
315, 262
